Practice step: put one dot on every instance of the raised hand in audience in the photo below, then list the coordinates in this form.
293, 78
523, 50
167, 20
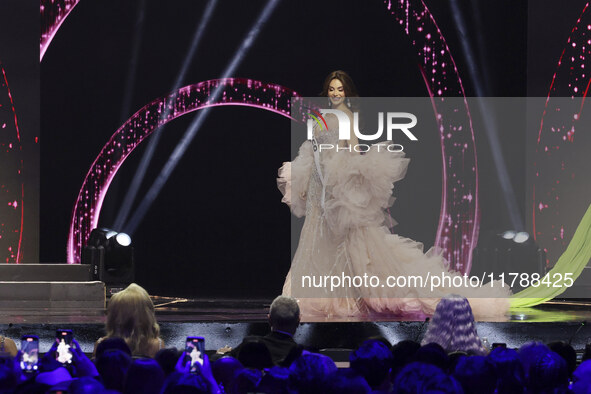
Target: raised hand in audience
84, 367
183, 365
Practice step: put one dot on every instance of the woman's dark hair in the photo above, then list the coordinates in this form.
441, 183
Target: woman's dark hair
275, 381
167, 359
245, 381
143, 376
548, 374
418, 377
476, 374
224, 370
567, 352
311, 373
112, 366
184, 383
112, 344
434, 354
403, 352
510, 373
373, 361
348, 85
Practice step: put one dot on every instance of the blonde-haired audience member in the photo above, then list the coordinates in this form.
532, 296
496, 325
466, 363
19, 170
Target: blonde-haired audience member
7, 345
130, 315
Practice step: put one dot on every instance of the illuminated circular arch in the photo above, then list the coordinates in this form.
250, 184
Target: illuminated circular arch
555, 144
53, 13
459, 218
235, 91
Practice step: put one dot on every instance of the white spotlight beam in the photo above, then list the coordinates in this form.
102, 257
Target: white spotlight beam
140, 173
194, 127
490, 124
132, 68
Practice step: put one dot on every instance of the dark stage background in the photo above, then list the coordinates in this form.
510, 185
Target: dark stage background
19, 56
218, 227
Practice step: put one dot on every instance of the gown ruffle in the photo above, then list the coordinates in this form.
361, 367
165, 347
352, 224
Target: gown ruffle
344, 235
293, 179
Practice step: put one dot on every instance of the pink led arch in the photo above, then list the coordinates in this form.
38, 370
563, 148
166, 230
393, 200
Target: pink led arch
53, 14
555, 145
235, 91
459, 219
11, 181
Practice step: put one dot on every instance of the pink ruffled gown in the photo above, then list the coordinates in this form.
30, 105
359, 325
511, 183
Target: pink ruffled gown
344, 236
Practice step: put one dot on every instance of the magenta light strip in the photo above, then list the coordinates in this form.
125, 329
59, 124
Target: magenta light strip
236, 91
11, 183
53, 14
555, 145
459, 220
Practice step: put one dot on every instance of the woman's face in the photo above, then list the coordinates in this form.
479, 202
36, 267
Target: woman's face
336, 92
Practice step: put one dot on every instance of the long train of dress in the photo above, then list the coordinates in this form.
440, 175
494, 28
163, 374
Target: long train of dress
344, 196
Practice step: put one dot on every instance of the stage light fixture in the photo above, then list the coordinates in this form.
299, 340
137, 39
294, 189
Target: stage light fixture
123, 239
110, 256
518, 237
521, 237
508, 252
99, 236
508, 234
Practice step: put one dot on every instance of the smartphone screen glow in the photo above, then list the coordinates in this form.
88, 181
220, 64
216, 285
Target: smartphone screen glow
194, 349
63, 353
30, 353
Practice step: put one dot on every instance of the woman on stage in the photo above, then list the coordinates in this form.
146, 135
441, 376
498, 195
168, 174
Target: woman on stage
343, 195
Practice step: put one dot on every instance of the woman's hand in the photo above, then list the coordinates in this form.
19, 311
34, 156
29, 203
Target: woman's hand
224, 350
16, 367
84, 367
207, 373
51, 352
183, 365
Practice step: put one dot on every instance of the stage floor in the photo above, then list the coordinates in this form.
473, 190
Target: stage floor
171, 309
181, 309
226, 322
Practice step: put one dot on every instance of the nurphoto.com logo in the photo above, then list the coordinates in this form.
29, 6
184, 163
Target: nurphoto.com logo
395, 121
